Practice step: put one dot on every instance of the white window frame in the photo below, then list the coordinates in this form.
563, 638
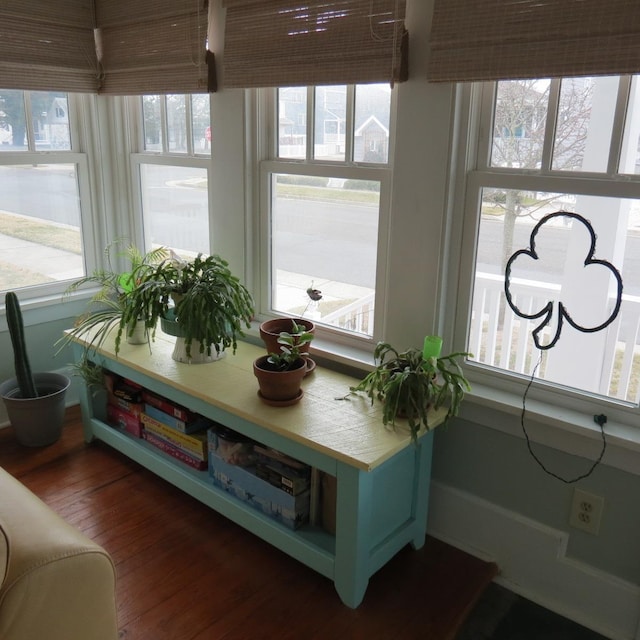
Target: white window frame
139, 156
83, 153
328, 339
555, 416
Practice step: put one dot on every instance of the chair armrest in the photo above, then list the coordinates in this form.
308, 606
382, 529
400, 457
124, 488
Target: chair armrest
57, 583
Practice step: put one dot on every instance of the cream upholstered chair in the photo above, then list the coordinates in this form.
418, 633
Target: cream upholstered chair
55, 583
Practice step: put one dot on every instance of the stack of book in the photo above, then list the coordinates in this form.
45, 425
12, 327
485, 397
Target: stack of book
175, 430
124, 404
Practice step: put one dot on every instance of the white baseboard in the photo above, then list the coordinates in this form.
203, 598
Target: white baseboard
533, 562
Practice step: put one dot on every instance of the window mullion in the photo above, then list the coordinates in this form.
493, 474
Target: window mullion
349, 125
311, 122
28, 121
188, 108
485, 133
550, 128
164, 124
617, 133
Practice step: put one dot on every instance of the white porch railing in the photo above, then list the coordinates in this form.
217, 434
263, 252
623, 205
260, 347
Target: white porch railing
500, 338
356, 316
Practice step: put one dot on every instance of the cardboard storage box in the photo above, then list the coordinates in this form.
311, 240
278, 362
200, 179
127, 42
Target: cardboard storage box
241, 482
329, 496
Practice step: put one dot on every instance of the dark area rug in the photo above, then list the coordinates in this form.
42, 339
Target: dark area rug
503, 615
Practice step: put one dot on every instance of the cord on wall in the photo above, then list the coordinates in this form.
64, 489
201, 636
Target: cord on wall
599, 419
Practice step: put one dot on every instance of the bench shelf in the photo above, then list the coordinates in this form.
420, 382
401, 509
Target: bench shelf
382, 477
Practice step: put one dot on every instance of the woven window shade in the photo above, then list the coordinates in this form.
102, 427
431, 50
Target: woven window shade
48, 46
502, 39
152, 46
275, 43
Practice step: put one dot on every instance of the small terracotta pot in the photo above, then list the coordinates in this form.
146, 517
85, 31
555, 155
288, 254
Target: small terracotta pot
279, 387
271, 329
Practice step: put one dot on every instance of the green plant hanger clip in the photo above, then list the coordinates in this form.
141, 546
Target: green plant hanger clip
432, 347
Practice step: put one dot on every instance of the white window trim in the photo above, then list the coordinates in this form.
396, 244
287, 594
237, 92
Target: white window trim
85, 154
332, 342
555, 417
138, 157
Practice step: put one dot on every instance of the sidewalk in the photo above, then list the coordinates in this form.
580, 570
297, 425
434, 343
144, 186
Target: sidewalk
55, 264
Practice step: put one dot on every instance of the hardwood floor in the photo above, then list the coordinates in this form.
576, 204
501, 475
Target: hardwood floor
187, 573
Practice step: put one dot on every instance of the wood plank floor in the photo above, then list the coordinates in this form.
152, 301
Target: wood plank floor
187, 573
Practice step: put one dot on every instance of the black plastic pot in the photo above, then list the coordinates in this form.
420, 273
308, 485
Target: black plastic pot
37, 422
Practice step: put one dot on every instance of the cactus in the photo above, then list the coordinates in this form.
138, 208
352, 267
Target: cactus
16, 329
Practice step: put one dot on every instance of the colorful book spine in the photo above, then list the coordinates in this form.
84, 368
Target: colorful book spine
198, 423
166, 406
174, 452
195, 444
122, 389
118, 417
134, 408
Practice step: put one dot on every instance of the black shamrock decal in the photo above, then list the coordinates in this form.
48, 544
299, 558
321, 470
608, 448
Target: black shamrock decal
554, 313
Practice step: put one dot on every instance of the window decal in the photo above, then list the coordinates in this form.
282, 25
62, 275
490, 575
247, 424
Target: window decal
549, 313
556, 312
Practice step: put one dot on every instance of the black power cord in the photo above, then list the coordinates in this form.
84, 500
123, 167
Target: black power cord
599, 419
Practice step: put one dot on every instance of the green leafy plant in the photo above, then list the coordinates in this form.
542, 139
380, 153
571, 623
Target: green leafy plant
408, 385
108, 306
291, 344
209, 304
91, 373
113, 283
24, 376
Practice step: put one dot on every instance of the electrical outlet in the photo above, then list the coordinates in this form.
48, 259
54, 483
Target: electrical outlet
586, 511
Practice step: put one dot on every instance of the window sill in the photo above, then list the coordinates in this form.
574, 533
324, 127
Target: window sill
567, 430
48, 308
564, 429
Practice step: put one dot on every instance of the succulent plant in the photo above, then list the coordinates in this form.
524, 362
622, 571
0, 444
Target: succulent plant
24, 376
291, 344
408, 385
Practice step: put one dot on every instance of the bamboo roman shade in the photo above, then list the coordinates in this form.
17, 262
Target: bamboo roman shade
152, 46
500, 39
104, 46
48, 45
271, 43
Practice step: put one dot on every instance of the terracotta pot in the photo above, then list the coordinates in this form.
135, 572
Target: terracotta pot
271, 329
280, 388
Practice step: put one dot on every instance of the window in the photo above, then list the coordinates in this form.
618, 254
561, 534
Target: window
44, 217
568, 145
172, 167
328, 185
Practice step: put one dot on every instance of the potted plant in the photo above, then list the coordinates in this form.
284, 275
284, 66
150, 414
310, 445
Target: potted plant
107, 306
199, 301
280, 373
270, 331
409, 384
35, 402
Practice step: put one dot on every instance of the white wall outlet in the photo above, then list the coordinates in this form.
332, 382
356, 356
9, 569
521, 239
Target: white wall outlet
586, 511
